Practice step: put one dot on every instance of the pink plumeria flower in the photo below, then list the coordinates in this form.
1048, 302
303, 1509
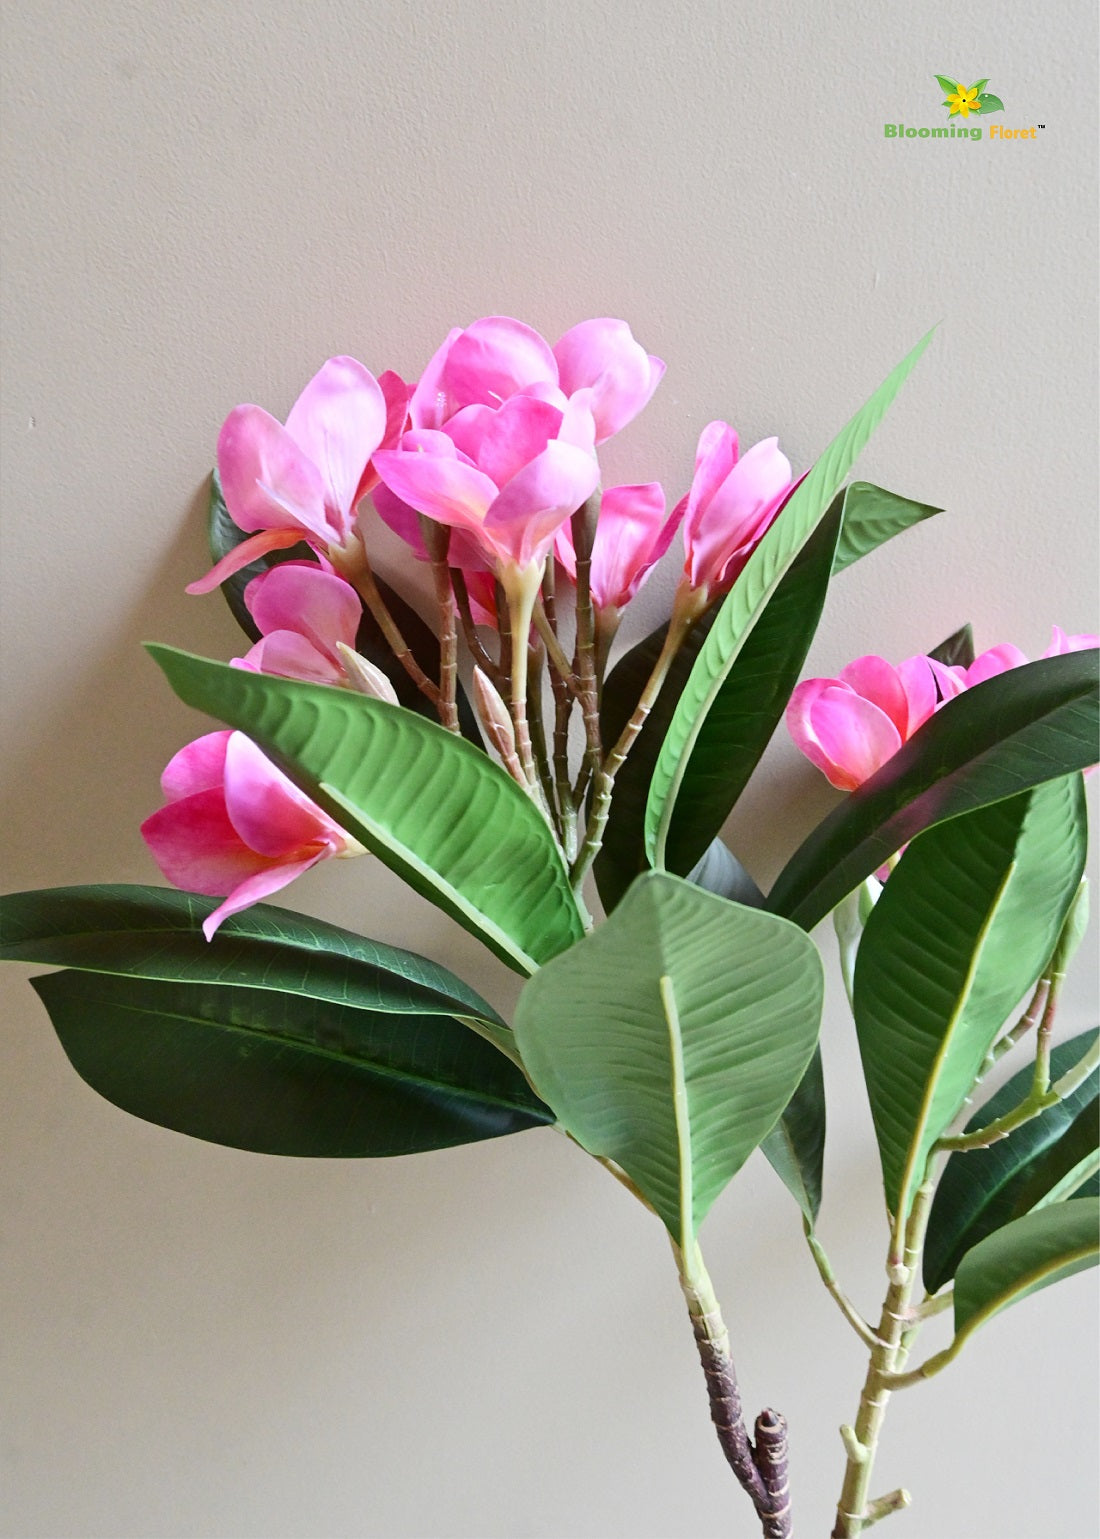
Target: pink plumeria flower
305, 480
498, 358
235, 826
632, 534
508, 477
304, 615
849, 726
954, 680
733, 501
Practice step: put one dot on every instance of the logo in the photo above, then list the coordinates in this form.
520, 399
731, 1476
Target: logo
966, 106
963, 100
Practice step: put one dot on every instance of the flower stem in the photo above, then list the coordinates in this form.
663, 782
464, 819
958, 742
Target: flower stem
437, 538
350, 561
895, 1330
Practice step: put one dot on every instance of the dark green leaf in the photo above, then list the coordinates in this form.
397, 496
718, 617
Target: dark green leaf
225, 536
721, 872
1024, 1256
871, 517
957, 651
447, 819
155, 932
795, 1147
982, 1189
962, 930
748, 600
280, 1073
1011, 732
1070, 1168
671, 1038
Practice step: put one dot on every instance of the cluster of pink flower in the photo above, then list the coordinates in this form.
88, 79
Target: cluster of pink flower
498, 442
850, 726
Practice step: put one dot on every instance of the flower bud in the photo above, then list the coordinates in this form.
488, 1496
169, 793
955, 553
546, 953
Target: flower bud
365, 677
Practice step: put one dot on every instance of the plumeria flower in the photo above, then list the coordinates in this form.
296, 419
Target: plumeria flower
953, 680
304, 615
235, 826
849, 726
632, 534
305, 480
733, 501
497, 358
508, 477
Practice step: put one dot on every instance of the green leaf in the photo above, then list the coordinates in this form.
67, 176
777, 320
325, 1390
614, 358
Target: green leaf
721, 872
749, 599
280, 1073
795, 1147
957, 650
749, 700
225, 536
982, 1189
979, 85
1000, 737
964, 927
671, 1039
435, 809
871, 517
1029, 1254
155, 932
990, 103
1070, 1168
947, 84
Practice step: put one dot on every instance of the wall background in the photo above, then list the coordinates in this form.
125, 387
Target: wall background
203, 203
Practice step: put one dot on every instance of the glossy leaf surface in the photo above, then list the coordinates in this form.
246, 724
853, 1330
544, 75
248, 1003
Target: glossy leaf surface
748, 599
1001, 737
282, 1073
962, 930
1026, 1255
435, 809
671, 1039
982, 1189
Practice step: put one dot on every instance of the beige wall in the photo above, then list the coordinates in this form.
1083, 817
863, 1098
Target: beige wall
205, 201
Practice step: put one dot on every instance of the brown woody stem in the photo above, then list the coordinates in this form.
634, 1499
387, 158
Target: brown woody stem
351, 563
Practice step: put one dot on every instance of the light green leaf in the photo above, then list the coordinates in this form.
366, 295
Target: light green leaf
748, 599
982, 1189
1000, 737
979, 85
963, 929
435, 809
671, 1039
871, 517
990, 103
284, 1073
947, 84
1024, 1256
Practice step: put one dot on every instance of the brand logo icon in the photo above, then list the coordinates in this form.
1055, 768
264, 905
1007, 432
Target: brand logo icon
962, 100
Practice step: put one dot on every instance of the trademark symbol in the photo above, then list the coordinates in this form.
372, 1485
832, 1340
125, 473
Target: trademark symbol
1042, 125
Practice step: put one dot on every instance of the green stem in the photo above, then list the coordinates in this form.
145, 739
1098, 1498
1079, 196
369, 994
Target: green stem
1039, 1099
437, 538
351, 563
828, 1277
895, 1330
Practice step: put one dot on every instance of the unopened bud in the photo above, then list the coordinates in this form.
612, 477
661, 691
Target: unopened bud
495, 718
364, 676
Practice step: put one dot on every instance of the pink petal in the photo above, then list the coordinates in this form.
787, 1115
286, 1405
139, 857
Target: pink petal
877, 680
603, 355
919, 684
513, 436
197, 847
338, 421
272, 878
855, 737
244, 554
631, 536
523, 520
290, 656
493, 359
268, 811
950, 681
267, 480
997, 660
446, 489
463, 550
200, 766
1060, 643
320, 606
800, 723
428, 406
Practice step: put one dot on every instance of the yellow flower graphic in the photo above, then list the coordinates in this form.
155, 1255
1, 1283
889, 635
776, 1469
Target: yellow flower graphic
963, 101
